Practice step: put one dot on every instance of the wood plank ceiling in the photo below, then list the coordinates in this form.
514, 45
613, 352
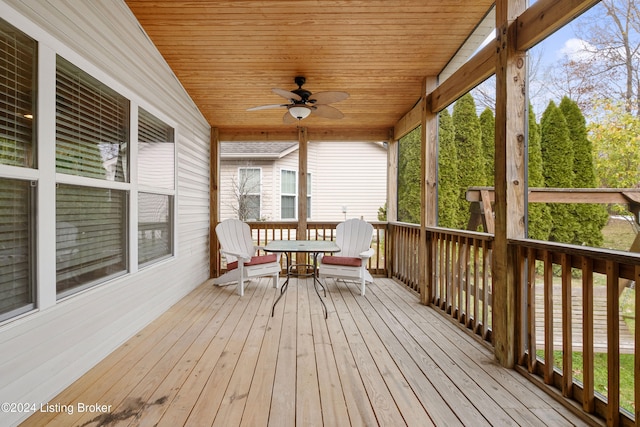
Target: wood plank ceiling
230, 54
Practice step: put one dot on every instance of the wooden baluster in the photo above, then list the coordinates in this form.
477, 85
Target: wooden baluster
588, 398
548, 317
613, 345
567, 336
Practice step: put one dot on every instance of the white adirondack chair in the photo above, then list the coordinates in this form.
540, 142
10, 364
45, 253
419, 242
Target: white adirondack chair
353, 237
242, 262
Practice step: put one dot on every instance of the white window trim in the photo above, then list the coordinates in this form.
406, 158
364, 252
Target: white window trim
295, 194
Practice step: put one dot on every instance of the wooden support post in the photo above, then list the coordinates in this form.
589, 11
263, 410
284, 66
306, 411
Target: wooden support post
303, 149
428, 188
510, 151
392, 199
214, 202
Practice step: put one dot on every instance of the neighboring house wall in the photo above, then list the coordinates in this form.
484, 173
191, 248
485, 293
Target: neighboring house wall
343, 174
229, 179
45, 350
353, 175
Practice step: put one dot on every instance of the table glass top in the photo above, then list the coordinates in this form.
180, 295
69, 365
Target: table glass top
301, 246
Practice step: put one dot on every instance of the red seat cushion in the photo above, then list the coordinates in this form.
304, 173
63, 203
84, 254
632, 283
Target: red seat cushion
342, 260
261, 259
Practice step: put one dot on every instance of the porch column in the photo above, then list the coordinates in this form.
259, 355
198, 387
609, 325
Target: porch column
510, 149
392, 200
303, 145
428, 186
214, 202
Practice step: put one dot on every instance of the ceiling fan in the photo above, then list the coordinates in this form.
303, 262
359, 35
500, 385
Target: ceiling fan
302, 103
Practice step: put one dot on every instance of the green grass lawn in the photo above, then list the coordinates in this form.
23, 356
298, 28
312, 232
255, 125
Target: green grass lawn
600, 374
618, 234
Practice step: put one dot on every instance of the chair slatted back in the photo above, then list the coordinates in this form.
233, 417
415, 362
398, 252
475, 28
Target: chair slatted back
353, 237
235, 236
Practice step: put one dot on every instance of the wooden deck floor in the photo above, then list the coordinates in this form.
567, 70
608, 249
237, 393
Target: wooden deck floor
383, 359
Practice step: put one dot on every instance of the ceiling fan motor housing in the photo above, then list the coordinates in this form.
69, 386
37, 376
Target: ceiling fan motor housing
302, 93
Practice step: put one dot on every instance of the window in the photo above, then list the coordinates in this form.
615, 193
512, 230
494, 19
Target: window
308, 196
288, 194
16, 247
249, 189
92, 126
92, 134
17, 106
91, 236
17, 149
156, 175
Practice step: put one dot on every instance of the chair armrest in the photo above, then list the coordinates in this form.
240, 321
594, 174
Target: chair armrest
240, 256
366, 254
261, 248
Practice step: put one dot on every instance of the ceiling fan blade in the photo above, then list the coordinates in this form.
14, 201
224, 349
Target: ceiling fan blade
327, 112
288, 119
266, 107
321, 98
286, 94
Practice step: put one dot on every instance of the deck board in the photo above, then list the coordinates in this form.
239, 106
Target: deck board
384, 359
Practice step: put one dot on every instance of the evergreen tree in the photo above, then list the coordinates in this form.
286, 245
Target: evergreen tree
448, 200
557, 162
591, 218
468, 140
488, 127
539, 215
409, 177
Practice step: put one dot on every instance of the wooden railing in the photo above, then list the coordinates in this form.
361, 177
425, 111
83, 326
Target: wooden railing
573, 327
460, 277
404, 240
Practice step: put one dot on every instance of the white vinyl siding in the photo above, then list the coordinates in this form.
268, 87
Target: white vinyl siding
341, 174
351, 175
104, 40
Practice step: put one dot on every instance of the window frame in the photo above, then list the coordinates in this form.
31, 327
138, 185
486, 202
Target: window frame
23, 169
157, 190
293, 195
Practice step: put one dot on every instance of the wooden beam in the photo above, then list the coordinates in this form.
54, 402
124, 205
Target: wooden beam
479, 68
509, 176
545, 17
409, 121
536, 23
315, 135
565, 195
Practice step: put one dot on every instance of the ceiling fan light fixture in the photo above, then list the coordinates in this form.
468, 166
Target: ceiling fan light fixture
299, 112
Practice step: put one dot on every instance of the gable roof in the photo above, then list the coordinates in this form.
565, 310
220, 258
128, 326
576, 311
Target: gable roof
256, 150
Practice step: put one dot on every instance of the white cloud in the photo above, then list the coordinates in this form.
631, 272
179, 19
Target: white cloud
576, 49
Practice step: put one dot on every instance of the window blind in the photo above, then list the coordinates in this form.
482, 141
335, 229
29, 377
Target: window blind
90, 235
17, 94
16, 246
156, 168
91, 126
